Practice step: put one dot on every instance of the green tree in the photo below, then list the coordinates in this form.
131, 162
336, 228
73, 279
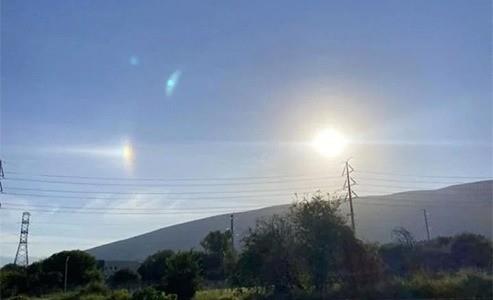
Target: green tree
321, 235
183, 274
124, 278
217, 251
13, 280
81, 267
311, 248
41, 281
268, 258
154, 267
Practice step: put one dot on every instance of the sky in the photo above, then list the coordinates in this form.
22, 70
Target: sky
220, 99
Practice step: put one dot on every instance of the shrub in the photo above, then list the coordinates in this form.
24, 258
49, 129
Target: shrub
124, 278
229, 294
149, 293
20, 297
120, 295
183, 274
153, 269
451, 285
95, 288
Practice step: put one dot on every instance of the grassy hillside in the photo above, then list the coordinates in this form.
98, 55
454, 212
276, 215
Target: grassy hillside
454, 209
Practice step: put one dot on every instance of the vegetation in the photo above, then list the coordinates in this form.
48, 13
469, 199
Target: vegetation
217, 260
47, 275
124, 278
154, 268
183, 275
310, 253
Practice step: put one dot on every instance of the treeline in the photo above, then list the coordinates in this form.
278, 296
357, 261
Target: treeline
309, 253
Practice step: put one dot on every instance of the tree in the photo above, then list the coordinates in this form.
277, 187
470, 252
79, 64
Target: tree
216, 242
217, 249
13, 280
268, 258
124, 278
403, 237
310, 248
183, 274
42, 281
321, 233
81, 267
154, 268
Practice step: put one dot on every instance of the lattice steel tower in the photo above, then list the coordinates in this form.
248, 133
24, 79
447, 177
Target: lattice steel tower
21, 257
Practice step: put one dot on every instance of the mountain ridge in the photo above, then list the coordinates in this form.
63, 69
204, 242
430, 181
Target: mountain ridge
375, 218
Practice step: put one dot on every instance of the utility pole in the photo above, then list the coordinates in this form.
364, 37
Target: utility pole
232, 230
348, 169
22, 257
66, 274
425, 214
2, 176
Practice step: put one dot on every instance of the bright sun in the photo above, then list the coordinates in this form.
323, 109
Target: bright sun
329, 142
128, 153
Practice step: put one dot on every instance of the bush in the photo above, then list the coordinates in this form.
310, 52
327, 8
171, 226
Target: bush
149, 293
13, 281
183, 274
124, 278
120, 295
81, 267
20, 297
153, 269
95, 288
228, 294
455, 285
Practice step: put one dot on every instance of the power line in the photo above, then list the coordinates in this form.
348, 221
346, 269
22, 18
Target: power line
220, 194
423, 176
278, 181
151, 199
219, 211
271, 196
22, 179
121, 213
147, 209
284, 177
292, 189
417, 205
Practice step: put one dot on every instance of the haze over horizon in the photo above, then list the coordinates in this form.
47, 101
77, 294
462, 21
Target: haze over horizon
218, 105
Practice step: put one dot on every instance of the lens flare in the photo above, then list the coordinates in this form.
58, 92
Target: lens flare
128, 154
329, 142
172, 82
134, 60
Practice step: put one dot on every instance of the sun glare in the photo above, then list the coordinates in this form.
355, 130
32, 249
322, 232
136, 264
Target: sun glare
128, 153
329, 142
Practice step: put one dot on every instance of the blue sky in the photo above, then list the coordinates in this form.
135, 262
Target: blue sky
408, 82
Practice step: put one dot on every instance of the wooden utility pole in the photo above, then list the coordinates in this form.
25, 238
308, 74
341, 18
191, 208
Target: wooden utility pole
232, 229
66, 274
426, 223
2, 176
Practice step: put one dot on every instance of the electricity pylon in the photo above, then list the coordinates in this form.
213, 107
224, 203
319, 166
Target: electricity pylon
21, 257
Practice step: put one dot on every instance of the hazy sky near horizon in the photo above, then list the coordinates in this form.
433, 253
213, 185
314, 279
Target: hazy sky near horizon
206, 89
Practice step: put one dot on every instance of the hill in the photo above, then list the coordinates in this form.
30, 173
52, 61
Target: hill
451, 210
